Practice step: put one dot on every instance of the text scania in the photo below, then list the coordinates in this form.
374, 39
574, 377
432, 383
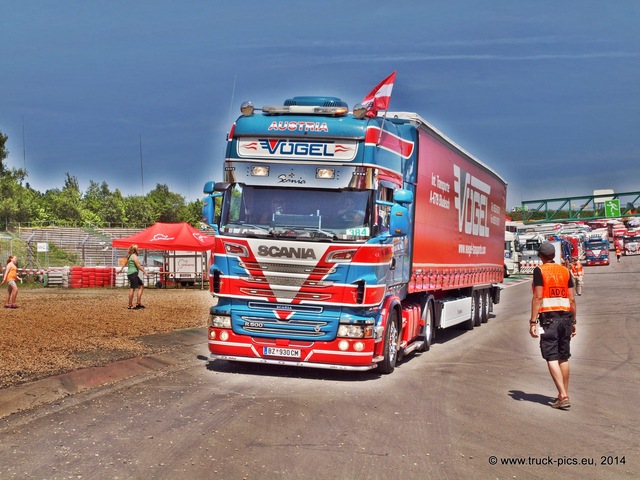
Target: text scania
472, 202
298, 148
286, 252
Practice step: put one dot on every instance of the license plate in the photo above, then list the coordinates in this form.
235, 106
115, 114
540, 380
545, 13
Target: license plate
281, 352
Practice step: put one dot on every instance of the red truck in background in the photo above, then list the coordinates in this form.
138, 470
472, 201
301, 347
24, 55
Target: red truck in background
596, 249
303, 284
630, 242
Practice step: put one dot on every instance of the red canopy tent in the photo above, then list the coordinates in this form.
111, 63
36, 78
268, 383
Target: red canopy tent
168, 236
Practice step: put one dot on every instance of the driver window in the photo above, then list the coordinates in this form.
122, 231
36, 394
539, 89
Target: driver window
384, 211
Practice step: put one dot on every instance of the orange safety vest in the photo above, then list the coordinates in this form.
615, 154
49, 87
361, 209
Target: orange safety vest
555, 281
576, 269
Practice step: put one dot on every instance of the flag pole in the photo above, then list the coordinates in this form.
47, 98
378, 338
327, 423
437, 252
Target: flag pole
384, 117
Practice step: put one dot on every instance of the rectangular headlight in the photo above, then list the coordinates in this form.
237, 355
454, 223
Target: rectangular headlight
220, 321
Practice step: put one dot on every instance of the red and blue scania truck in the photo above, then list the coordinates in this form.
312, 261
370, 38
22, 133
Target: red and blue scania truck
300, 280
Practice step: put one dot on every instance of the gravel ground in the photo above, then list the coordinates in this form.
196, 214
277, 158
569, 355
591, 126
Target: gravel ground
57, 330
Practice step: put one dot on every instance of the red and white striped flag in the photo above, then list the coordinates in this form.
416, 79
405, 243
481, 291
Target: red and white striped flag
379, 97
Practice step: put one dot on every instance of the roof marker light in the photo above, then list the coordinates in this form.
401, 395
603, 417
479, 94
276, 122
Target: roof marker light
359, 111
247, 109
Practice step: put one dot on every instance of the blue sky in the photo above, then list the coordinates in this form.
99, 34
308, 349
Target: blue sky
545, 92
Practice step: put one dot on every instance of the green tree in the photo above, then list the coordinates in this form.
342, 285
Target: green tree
14, 198
4, 153
97, 206
138, 212
113, 209
167, 207
194, 213
65, 206
104, 206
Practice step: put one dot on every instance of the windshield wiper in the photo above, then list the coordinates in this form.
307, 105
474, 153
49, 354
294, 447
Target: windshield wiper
263, 230
314, 234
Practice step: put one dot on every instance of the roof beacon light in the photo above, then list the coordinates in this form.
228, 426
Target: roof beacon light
310, 106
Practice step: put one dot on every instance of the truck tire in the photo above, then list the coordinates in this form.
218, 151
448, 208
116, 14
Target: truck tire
391, 343
429, 328
475, 308
484, 309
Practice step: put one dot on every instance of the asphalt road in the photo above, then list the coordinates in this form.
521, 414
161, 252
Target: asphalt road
475, 406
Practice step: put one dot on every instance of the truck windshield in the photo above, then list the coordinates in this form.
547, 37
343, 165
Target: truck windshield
297, 213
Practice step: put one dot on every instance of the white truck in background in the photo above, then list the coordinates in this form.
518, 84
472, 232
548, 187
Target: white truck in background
185, 268
511, 253
529, 246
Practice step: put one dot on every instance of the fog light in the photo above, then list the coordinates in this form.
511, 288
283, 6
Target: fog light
358, 346
224, 336
212, 334
343, 345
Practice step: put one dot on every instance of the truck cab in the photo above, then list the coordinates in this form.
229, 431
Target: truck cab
596, 249
511, 253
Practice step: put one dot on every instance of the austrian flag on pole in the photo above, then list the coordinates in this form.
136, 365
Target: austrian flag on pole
378, 98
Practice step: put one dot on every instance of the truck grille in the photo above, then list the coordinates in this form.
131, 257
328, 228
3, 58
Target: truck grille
287, 268
292, 328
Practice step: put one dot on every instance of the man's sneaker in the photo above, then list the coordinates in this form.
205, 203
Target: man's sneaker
561, 403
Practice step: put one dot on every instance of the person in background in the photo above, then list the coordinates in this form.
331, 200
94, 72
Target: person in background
277, 208
10, 277
135, 282
578, 275
554, 306
618, 252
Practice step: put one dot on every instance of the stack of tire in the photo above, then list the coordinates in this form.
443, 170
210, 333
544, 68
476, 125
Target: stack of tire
91, 277
75, 277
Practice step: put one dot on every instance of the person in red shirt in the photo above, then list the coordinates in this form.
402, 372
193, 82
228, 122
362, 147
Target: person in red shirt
553, 305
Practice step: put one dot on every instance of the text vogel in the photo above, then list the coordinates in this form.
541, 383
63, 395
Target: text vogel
472, 202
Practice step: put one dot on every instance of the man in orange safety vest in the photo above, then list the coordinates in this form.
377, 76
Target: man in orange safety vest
553, 306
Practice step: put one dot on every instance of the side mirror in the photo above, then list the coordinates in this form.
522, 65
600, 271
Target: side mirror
208, 210
209, 187
399, 221
403, 196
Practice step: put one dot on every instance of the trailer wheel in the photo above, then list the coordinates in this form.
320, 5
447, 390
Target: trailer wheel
468, 324
391, 336
475, 308
484, 311
429, 329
